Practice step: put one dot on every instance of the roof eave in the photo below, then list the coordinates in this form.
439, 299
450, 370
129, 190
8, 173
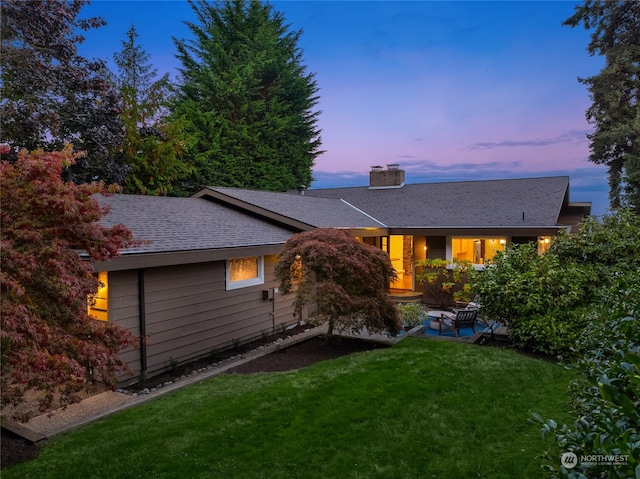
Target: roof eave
140, 260
524, 230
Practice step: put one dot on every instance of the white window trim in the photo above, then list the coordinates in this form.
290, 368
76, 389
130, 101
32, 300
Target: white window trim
245, 283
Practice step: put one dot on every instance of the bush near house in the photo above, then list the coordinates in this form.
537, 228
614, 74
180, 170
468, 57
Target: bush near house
444, 282
606, 398
547, 301
541, 301
412, 314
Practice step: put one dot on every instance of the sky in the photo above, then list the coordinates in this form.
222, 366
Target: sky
450, 90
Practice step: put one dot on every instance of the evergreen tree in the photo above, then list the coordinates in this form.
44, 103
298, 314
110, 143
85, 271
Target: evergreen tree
50, 94
615, 92
247, 98
153, 145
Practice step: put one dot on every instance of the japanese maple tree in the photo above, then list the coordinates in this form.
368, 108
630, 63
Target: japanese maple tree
51, 347
347, 280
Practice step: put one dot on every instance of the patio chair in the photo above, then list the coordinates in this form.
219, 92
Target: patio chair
461, 318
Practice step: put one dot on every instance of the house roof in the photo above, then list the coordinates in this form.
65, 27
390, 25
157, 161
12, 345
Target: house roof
219, 223
304, 212
514, 203
187, 224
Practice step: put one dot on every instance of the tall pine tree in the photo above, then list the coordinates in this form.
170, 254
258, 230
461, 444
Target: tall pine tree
615, 93
153, 145
247, 98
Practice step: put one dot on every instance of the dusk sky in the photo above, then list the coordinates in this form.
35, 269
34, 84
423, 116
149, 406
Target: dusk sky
449, 90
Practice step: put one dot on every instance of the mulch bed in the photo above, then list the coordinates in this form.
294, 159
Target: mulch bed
16, 449
305, 354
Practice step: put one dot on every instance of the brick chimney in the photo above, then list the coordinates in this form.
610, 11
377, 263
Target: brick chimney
392, 177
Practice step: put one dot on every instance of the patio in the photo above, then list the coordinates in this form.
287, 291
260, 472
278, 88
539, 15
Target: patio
431, 326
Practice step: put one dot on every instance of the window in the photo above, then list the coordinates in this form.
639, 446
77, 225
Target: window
543, 244
476, 250
243, 272
99, 302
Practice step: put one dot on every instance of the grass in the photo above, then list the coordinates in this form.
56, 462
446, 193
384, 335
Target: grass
422, 409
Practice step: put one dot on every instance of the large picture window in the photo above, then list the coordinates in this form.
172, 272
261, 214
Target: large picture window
99, 302
243, 272
476, 250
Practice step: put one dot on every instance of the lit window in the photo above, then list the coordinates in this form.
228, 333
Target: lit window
243, 272
99, 302
476, 250
543, 244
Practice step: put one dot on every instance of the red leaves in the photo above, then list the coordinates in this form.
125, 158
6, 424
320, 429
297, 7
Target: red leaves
346, 279
48, 339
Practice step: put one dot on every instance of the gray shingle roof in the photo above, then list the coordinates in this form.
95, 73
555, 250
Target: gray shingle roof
464, 204
187, 224
184, 224
313, 211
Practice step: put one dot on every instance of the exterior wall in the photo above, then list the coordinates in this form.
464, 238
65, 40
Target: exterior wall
573, 213
572, 217
124, 309
189, 313
436, 247
524, 239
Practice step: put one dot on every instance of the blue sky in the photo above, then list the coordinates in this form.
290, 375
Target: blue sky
450, 90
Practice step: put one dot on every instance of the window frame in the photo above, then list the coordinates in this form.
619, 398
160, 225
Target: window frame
477, 266
100, 314
245, 283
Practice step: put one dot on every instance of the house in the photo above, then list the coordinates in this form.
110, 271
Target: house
203, 279
195, 285
467, 220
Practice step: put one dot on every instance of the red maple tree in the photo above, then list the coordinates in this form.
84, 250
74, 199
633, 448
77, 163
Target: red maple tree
50, 345
347, 280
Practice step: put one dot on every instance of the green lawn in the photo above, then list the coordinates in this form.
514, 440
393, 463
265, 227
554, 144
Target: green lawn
422, 409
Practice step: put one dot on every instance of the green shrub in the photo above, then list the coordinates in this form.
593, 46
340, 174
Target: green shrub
547, 300
606, 403
444, 282
412, 314
607, 397
539, 299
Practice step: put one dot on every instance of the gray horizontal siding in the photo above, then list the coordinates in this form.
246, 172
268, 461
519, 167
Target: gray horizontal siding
125, 311
189, 313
